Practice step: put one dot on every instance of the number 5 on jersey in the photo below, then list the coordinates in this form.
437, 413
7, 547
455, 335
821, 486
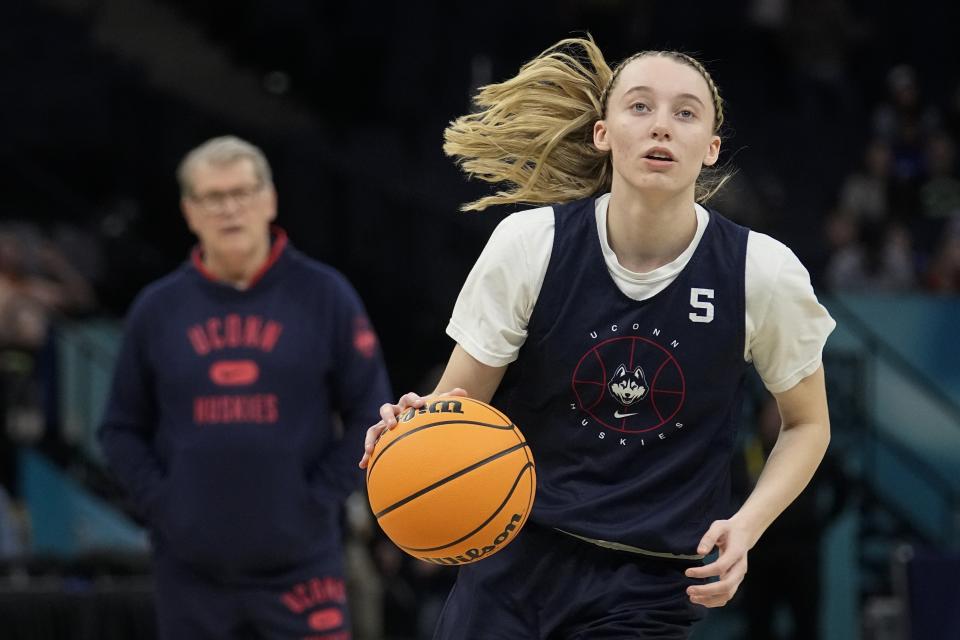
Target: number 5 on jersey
704, 308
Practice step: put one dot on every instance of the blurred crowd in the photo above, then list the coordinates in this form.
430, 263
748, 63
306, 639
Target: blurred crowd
895, 226
39, 286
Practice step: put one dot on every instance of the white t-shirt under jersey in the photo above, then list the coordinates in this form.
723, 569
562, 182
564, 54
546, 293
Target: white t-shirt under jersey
786, 327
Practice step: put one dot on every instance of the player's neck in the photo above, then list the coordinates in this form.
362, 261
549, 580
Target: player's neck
647, 232
237, 268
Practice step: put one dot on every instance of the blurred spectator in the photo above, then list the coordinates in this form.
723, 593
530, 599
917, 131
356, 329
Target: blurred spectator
36, 282
903, 105
881, 261
865, 193
839, 232
909, 170
943, 275
820, 35
940, 194
83, 248
905, 122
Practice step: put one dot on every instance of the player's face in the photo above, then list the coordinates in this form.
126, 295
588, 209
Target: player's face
659, 126
229, 208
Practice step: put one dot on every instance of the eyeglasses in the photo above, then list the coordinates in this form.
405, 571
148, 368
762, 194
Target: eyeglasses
216, 201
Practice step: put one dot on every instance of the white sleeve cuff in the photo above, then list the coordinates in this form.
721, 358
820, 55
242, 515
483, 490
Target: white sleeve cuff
793, 380
473, 347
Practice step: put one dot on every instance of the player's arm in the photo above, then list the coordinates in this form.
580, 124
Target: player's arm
804, 436
801, 445
463, 376
476, 379
786, 331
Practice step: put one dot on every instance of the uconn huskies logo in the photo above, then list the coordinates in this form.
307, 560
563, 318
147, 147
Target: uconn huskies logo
628, 387
629, 383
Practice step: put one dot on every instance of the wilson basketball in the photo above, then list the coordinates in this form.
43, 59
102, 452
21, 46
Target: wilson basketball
454, 481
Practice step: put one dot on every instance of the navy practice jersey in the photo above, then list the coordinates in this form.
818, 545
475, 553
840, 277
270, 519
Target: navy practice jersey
221, 418
631, 407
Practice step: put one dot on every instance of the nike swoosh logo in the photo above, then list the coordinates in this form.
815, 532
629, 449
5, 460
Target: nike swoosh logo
617, 414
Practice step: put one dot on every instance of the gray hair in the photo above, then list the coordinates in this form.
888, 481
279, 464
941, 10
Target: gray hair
223, 151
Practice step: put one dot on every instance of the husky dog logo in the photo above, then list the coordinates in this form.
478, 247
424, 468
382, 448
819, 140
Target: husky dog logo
628, 386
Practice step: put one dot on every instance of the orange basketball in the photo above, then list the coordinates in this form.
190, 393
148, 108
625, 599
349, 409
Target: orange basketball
453, 482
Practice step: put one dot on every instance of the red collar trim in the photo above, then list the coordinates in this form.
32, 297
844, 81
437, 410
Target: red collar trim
276, 250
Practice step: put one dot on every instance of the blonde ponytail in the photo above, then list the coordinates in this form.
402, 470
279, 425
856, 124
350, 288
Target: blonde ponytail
534, 132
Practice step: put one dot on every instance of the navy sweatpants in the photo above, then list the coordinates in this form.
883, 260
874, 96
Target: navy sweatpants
305, 603
550, 586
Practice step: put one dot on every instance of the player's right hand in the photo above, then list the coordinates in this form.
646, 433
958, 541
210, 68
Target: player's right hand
388, 418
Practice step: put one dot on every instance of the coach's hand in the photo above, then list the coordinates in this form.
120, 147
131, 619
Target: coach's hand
731, 565
388, 418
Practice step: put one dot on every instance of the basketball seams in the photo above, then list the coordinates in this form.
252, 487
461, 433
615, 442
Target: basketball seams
497, 511
377, 455
528, 454
449, 478
532, 477
488, 407
520, 439
526, 450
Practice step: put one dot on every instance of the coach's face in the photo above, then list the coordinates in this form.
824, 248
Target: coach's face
230, 209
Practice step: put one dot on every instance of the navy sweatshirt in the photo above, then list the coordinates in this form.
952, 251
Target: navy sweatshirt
631, 407
221, 420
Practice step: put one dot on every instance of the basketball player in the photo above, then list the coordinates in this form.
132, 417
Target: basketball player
221, 418
614, 325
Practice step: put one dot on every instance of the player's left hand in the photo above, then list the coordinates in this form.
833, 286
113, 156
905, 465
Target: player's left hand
730, 566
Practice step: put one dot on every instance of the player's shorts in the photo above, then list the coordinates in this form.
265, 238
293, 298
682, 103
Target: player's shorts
552, 586
306, 603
